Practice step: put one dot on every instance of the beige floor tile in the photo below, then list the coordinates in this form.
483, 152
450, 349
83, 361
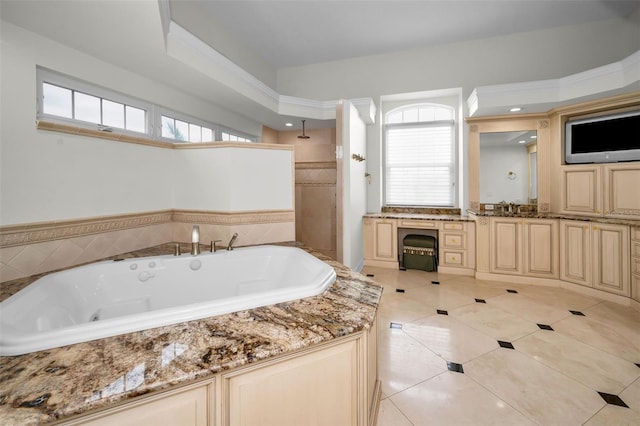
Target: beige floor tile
449, 338
474, 291
616, 340
539, 392
560, 298
400, 303
631, 396
612, 415
438, 296
403, 362
529, 309
389, 415
616, 315
494, 322
455, 399
598, 370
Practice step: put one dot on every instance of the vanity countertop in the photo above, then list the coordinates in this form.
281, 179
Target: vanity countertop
420, 216
54, 384
529, 215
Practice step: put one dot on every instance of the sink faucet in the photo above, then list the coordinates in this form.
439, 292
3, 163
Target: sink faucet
231, 241
195, 240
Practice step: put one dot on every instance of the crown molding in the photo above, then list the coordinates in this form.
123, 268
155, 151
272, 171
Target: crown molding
543, 95
185, 47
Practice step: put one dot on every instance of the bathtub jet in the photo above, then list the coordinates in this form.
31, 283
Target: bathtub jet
110, 298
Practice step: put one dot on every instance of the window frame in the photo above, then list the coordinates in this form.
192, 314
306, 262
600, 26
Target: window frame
44, 75
453, 123
153, 112
161, 111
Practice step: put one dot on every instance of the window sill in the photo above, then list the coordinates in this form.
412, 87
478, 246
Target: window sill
81, 131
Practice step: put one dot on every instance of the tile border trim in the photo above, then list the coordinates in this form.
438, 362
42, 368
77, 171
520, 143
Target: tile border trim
31, 233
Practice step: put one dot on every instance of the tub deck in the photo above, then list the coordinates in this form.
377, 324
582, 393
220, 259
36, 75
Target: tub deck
57, 383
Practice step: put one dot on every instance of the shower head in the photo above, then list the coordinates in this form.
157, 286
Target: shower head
303, 135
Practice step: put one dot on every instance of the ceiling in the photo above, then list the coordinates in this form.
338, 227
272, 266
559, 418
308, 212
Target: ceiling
294, 33
128, 33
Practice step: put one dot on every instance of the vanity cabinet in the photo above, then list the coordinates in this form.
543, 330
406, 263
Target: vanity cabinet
380, 239
506, 246
596, 255
609, 190
526, 247
456, 243
635, 263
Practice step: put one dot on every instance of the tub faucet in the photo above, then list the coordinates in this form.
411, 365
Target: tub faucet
231, 241
195, 240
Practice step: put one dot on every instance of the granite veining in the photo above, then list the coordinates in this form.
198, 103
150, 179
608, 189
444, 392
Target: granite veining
54, 384
539, 215
420, 216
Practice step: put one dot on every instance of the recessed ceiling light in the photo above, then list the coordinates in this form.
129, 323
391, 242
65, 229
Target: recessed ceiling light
288, 124
521, 141
533, 137
515, 109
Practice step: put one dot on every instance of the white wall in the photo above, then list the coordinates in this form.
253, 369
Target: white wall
234, 179
538, 55
353, 140
47, 176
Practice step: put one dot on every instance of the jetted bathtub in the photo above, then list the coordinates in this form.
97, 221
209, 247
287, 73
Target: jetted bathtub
114, 297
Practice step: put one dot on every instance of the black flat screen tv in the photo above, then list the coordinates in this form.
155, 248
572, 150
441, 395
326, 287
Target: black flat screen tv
604, 139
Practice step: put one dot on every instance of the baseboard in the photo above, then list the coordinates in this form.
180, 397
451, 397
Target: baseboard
588, 291
375, 404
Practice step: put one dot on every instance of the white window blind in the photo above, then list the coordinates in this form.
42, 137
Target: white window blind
420, 159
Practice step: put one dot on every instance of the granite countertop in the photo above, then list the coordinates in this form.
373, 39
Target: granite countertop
598, 219
54, 384
420, 216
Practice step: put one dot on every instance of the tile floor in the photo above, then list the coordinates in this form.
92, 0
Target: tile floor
471, 352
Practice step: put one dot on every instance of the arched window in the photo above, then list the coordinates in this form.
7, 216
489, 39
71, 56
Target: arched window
420, 155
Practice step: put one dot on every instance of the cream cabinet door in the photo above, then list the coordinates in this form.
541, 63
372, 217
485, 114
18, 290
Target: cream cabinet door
506, 246
319, 388
175, 408
386, 240
622, 190
367, 238
611, 255
581, 190
541, 248
575, 252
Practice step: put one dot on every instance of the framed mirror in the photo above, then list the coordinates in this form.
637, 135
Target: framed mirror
496, 174
508, 167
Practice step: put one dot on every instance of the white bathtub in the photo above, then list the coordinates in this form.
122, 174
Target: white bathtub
115, 297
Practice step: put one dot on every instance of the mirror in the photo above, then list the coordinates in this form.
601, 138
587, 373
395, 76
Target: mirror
508, 167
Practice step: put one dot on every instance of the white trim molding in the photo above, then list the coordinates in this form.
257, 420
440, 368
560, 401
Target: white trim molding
542, 95
190, 50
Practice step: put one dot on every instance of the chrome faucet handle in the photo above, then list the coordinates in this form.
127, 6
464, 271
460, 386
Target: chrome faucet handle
213, 245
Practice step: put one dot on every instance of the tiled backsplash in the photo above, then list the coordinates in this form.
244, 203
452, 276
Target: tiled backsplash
36, 248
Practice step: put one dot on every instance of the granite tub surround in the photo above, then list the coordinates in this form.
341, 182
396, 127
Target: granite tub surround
55, 384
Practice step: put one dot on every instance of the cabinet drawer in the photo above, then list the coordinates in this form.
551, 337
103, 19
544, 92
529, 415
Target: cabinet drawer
635, 249
419, 224
453, 258
453, 226
449, 240
635, 233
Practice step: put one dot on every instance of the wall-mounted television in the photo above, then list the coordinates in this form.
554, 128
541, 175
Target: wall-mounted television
603, 139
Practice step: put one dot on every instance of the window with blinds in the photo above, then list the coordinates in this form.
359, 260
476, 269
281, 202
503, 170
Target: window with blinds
420, 156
